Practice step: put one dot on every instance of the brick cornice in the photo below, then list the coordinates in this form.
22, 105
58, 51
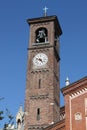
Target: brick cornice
46, 19
75, 88
57, 125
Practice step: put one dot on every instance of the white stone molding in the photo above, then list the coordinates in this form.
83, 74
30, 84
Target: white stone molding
78, 93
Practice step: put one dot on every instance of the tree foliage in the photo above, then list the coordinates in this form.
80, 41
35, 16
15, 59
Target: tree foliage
10, 119
1, 115
5, 114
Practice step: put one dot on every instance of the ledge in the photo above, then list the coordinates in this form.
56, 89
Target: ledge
42, 43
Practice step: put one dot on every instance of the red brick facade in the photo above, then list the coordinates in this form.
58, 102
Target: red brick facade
76, 105
74, 115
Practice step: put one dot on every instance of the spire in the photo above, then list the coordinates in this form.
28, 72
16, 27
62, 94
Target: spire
67, 81
45, 11
20, 118
20, 109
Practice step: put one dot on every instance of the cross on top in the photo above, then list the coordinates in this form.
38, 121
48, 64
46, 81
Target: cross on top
45, 11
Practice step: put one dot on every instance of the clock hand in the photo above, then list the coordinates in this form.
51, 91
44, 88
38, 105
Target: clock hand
40, 59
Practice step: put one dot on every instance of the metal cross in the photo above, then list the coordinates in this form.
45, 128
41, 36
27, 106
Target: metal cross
45, 11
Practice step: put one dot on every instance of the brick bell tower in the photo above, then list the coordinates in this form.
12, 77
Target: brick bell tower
42, 99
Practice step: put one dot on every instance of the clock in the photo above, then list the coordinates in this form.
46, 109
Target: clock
40, 59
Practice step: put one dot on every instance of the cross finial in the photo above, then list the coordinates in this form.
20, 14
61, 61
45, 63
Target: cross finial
45, 11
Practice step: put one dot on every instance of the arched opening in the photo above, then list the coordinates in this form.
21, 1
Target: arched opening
18, 121
38, 114
41, 35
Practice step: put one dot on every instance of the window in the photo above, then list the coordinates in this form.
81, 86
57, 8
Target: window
85, 106
38, 114
39, 83
41, 35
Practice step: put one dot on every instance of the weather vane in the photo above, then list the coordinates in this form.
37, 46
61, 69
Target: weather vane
45, 11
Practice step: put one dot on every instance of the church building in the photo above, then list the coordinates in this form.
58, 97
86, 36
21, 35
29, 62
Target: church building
42, 96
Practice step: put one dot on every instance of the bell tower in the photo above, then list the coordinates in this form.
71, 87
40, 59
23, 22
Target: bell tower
42, 97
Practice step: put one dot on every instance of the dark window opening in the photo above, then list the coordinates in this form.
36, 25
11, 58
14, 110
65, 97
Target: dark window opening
18, 121
39, 83
38, 114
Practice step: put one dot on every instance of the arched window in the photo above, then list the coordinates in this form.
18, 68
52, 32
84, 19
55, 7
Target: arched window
41, 35
18, 121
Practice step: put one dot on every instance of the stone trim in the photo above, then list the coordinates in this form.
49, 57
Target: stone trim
78, 93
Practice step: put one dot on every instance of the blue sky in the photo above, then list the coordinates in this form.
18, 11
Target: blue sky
14, 37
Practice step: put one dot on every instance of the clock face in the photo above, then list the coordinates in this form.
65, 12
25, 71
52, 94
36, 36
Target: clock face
40, 59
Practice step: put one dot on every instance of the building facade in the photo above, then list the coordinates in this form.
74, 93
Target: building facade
42, 97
